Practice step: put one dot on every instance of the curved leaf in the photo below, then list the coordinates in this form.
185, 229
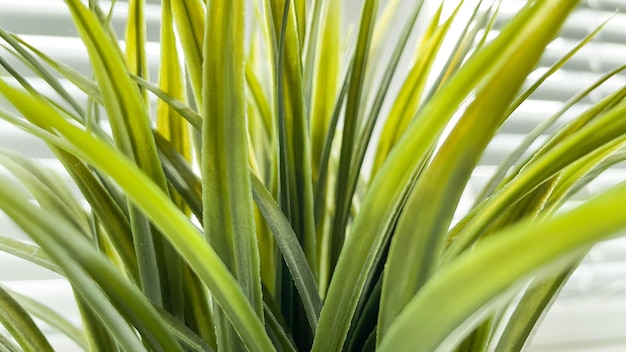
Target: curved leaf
460, 295
128, 117
29, 252
422, 227
510, 159
183, 333
190, 24
291, 250
20, 325
227, 197
607, 127
76, 255
7, 345
388, 189
52, 318
343, 197
283, 233
180, 107
42, 71
163, 213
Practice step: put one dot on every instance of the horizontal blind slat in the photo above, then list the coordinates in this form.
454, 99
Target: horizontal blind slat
17, 139
72, 52
53, 19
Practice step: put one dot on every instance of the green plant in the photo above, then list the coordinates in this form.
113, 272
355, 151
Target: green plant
244, 217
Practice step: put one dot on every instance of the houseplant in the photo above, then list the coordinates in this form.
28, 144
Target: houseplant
244, 217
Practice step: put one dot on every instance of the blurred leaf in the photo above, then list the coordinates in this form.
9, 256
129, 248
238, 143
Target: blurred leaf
7, 345
465, 44
584, 171
180, 175
410, 95
151, 199
593, 129
283, 340
384, 198
52, 318
20, 325
189, 19
530, 310
29, 252
87, 85
32, 177
459, 297
510, 159
128, 117
95, 327
175, 129
434, 198
77, 257
381, 94
528, 313
136, 56
380, 207
323, 62
183, 333
273, 237
41, 71
296, 191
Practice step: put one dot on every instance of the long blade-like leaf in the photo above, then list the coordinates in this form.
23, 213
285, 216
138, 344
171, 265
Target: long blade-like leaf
343, 199
227, 197
506, 164
606, 128
127, 113
42, 71
324, 63
184, 334
151, 199
52, 317
136, 56
176, 130
283, 233
28, 251
18, 165
194, 119
190, 24
85, 84
530, 310
380, 206
455, 298
56, 233
296, 191
292, 251
383, 90
7, 345
410, 95
434, 199
20, 324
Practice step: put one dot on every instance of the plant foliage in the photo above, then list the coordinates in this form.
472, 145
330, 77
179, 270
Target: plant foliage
256, 205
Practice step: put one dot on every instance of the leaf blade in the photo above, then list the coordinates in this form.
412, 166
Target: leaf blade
548, 241
434, 198
158, 207
20, 325
227, 196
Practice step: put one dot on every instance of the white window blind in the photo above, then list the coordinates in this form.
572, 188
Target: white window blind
591, 311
